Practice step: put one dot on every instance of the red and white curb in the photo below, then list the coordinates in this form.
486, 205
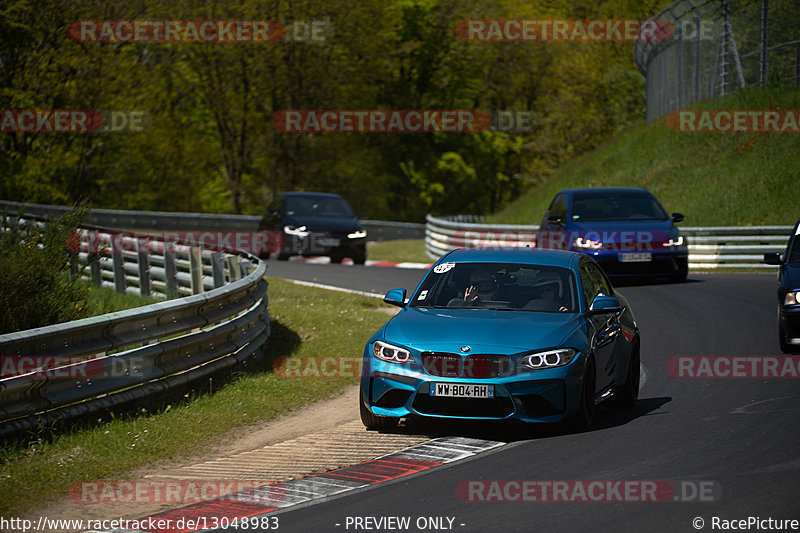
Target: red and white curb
279, 496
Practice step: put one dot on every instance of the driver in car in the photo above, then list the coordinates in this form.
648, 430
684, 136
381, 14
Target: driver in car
482, 287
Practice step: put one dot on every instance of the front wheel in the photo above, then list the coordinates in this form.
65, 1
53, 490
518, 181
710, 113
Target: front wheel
582, 419
374, 422
627, 395
785, 346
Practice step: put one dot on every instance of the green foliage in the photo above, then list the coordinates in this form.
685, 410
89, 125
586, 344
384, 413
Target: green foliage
210, 144
35, 285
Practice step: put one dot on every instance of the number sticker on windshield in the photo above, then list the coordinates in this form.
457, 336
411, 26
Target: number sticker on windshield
444, 267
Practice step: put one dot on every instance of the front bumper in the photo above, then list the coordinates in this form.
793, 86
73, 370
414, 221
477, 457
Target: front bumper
789, 316
324, 244
531, 396
664, 263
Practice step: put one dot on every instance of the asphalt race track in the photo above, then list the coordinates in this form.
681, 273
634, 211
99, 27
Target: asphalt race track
728, 445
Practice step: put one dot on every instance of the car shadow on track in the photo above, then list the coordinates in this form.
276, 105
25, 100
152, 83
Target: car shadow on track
605, 418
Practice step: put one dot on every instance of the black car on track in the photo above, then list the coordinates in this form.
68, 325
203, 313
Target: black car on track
315, 223
788, 292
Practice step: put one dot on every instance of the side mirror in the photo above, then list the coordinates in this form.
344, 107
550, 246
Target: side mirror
604, 304
772, 258
396, 297
677, 217
555, 219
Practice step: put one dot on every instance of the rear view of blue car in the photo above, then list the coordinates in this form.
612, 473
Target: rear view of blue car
624, 229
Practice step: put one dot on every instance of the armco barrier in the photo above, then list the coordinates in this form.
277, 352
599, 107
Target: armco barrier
129, 355
722, 247
377, 230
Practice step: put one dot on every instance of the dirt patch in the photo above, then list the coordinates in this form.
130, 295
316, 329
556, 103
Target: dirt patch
313, 418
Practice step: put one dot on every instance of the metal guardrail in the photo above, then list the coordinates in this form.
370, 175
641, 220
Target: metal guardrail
717, 48
106, 361
722, 247
377, 230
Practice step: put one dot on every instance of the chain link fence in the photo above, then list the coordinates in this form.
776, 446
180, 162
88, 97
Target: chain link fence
717, 47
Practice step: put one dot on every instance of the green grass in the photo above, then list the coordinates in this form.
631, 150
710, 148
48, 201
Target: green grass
104, 300
411, 250
715, 179
305, 322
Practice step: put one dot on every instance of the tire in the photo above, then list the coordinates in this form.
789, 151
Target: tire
283, 257
360, 258
785, 346
679, 278
582, 419
336, 258
627, 395
373, 422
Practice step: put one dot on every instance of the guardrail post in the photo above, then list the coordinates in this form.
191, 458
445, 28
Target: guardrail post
196, 270
170, 273
144, 266
218, 269
94, 268
73, 265
234, 268
118, 264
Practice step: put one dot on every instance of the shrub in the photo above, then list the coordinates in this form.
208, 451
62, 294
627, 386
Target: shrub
35, 284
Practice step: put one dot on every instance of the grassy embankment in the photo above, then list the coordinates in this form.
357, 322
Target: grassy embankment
714, 178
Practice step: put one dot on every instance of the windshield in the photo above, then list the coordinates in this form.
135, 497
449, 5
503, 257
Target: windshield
317, 206
499, 286
617, 206
794, 251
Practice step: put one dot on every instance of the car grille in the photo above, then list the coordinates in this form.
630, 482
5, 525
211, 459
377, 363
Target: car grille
449, 365
466, 407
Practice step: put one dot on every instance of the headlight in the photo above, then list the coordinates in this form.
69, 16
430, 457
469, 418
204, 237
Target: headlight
297, 232
792, 298
357, 234
548, 358
392, 354
588, 244
675, 241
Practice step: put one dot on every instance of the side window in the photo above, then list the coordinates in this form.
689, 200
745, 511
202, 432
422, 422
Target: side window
559, 207
594, 282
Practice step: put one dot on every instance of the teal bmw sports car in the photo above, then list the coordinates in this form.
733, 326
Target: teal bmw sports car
537, 336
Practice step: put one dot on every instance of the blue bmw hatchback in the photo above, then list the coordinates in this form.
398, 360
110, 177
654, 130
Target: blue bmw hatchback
528, 335
625, 229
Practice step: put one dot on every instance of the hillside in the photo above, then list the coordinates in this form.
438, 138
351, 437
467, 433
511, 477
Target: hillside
714, 178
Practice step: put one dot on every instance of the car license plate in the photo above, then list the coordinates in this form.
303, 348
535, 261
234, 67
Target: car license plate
642, 257
326, 241
462, 390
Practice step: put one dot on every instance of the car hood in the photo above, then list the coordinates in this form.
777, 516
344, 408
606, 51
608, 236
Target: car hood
791, 274
484, 330
332, 224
